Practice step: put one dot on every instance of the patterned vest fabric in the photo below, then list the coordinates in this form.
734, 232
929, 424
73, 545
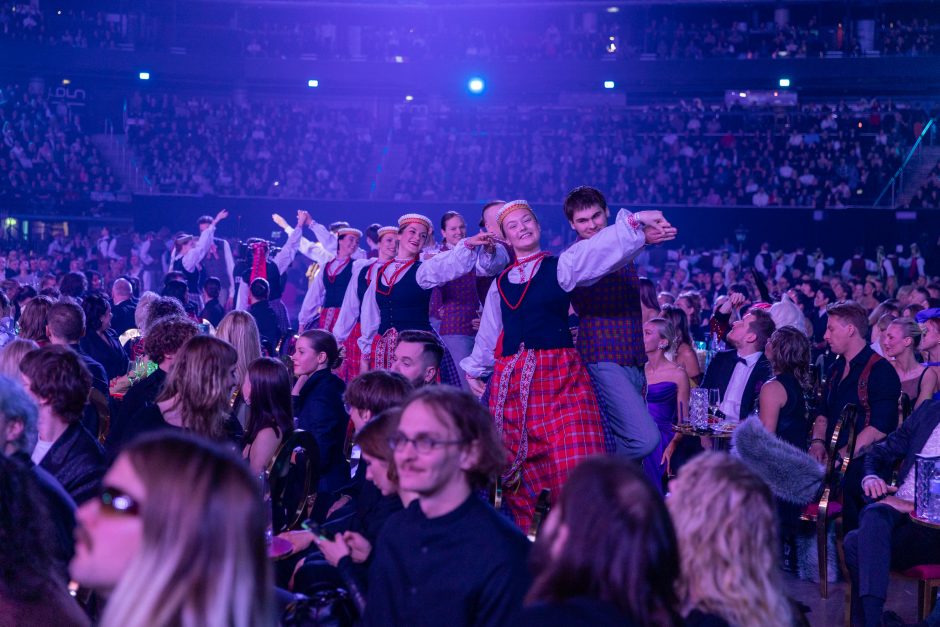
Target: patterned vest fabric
335, 288
541, 319
406, 308
459, 305
214, 262
611, 326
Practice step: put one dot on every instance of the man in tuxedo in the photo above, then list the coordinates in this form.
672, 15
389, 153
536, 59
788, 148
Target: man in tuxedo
739, 373
889, 537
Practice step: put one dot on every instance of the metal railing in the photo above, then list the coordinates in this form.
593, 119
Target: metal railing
913, 160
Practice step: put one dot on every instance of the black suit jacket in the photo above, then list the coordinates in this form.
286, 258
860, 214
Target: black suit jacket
76, 460
903, 444
720, 369
122, 316
137, 397
319, 409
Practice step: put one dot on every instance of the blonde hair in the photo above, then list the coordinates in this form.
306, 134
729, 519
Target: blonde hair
12, 354
726, 524
667, 331
142, 312
239, 329
202, 560
200, 385
909, 328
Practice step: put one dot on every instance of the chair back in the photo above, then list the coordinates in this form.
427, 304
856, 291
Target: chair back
496, 494
293, 476
100, 402
542, 505
837, 466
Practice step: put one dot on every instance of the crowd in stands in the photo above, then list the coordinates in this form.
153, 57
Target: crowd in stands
159, 443
60, 26
928, 196
47, 156
690, 154
291, 150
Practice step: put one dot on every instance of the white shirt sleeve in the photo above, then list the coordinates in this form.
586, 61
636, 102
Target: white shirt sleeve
888, 267
144, 253
349, 310
359, 254
589, 260
447, 266
369, 318
326, 237
313, 299
197, 253
241, 299
229, 263
491, 264
481, 359
315, 251
288, 252
112, 249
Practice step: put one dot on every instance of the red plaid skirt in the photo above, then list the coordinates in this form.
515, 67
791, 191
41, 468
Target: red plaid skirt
547, 414
350, 368
328, 318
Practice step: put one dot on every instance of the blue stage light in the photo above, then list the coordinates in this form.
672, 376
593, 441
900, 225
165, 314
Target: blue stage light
609, 85
144, 76
784, 82
313, 83
476, 85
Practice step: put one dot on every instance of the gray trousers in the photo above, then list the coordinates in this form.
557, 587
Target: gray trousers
620, 391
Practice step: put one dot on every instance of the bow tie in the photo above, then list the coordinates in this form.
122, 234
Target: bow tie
742, 360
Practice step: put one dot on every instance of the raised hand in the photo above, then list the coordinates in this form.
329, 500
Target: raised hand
220, 216
279, 220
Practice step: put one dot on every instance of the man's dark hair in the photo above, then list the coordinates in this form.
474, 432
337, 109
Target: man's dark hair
583, 197
372, 233
167, 335
827, 293
740, 288
73, 285
339, 224
260, 289
58, 376
27, 292
173, 275
432, 350
762, 326
95, 306
486, 206
204, 220
212, 287
162, 307
66, 320
377, 390
177, 289
472, 422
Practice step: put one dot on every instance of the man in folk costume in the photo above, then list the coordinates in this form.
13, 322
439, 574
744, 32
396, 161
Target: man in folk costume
327, 289
219, 263
610, 334
347, 329
456, 303
541, 395
398, 298
189, 253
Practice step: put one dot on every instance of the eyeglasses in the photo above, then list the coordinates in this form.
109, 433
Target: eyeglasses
117, 502
422, 443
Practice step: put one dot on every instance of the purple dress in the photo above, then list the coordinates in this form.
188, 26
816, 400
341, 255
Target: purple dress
661, 399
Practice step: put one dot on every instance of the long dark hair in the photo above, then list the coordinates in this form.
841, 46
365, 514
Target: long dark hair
621, 547
680, 321
270, 402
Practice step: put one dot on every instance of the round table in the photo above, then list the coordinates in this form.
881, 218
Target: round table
923, 521
722, 439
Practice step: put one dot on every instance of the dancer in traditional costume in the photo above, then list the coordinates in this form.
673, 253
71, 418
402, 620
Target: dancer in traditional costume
398, 298
540, 393
348, 329
327, 289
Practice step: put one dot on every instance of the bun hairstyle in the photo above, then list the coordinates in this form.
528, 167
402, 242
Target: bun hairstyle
323, 341
667, 332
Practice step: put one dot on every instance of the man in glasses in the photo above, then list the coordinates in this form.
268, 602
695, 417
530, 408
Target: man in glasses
449, 558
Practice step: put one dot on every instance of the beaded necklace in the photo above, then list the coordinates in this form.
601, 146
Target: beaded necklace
521, 263
390, 284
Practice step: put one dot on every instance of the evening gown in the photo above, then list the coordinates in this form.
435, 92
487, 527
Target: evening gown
661, 399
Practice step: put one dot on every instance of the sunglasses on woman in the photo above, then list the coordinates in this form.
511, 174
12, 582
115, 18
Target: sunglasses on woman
114, 501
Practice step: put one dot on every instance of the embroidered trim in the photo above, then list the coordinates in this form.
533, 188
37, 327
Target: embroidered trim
391, 284
537, 259
328, 317
513, 474
634, 223
383, 347
331, 276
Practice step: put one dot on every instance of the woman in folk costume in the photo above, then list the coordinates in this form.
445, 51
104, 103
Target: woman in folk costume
328, 287
347, 329
399, 296
541, 395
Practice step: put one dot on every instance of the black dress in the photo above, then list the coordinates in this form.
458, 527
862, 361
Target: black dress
150, 418
792, 424
573, 612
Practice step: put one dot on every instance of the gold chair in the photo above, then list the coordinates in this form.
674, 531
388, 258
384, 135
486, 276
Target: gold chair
542, 506
293, 476
828, 507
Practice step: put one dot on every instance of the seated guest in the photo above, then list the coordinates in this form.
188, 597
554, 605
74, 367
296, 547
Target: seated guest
213, 311
739, 373
65, 326
266, 389
73, 286
685, 355
239, 329
176, 538
929, 321
196, 394
724, 519
857, 368
33, 320
900, 345
33, 584
418, 356
133, 342
124, 307
100, 342
886, 538
19, 430
179, 291
606, 554
58, 381
446, 448
318, 404
164, 340
7, 324
261, 310
12, 354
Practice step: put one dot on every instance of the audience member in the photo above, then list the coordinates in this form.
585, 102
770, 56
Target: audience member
267, 392
100, 341
900, 343
239, 329
418, 356
265, 317
212, 311
12, 354
33, 320
123, 306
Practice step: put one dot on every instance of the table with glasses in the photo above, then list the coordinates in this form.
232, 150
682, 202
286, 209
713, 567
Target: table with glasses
719, 434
